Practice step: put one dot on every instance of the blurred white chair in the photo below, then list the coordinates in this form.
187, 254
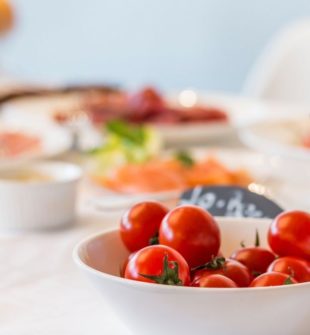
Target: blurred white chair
282, 72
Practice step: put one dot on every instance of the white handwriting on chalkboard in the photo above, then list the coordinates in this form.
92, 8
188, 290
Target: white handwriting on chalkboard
234, 206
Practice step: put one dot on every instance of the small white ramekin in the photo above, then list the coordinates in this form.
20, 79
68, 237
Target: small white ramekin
41, 204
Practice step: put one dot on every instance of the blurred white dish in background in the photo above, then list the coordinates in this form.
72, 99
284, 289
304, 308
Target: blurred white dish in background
282, 72
280, 136
117, 202
236, 108
38, 195
159, 309
242, 112
53, 141
39, 111
239, 110
180, 134
273, 176
39, 108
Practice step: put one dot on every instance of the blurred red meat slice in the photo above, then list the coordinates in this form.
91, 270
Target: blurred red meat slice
146, 106
199, 113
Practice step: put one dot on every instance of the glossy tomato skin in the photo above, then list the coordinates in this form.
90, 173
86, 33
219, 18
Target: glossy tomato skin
272, 279
296, 267
232, 269
149, 261
289, 234
124, 265
215, 280
140, 223
256, 259
193, 232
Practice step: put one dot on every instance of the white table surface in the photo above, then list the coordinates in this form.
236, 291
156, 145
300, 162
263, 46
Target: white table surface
42, 291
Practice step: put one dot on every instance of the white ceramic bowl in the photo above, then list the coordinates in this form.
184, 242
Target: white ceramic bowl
39, 204
159, 309
281, 136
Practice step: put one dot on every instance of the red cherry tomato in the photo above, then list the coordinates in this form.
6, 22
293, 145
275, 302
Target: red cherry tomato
158, 264
289, 234
124, 265
273, 279
256, 259
141, 223
296, 267
216, 280
191, 231
230, 268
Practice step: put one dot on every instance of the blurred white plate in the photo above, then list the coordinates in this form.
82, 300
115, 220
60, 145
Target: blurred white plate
194, 133
40, 111
273, 177
54, 141
280, 136
239, 110
37, 108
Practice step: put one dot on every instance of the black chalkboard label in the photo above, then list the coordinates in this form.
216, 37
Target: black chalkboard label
231, 201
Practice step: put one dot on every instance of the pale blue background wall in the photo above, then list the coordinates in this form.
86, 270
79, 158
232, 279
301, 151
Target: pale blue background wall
208, 44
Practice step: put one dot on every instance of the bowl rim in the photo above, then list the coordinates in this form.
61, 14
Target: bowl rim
76, 174
164, 288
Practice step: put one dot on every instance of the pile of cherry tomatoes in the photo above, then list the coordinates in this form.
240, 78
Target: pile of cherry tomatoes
182, 247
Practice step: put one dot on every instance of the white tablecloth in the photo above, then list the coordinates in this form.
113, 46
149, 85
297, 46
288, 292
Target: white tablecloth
42, 291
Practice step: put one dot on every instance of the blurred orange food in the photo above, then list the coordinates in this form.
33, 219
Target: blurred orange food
6, 16
306, 141
165, 175
13, 144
